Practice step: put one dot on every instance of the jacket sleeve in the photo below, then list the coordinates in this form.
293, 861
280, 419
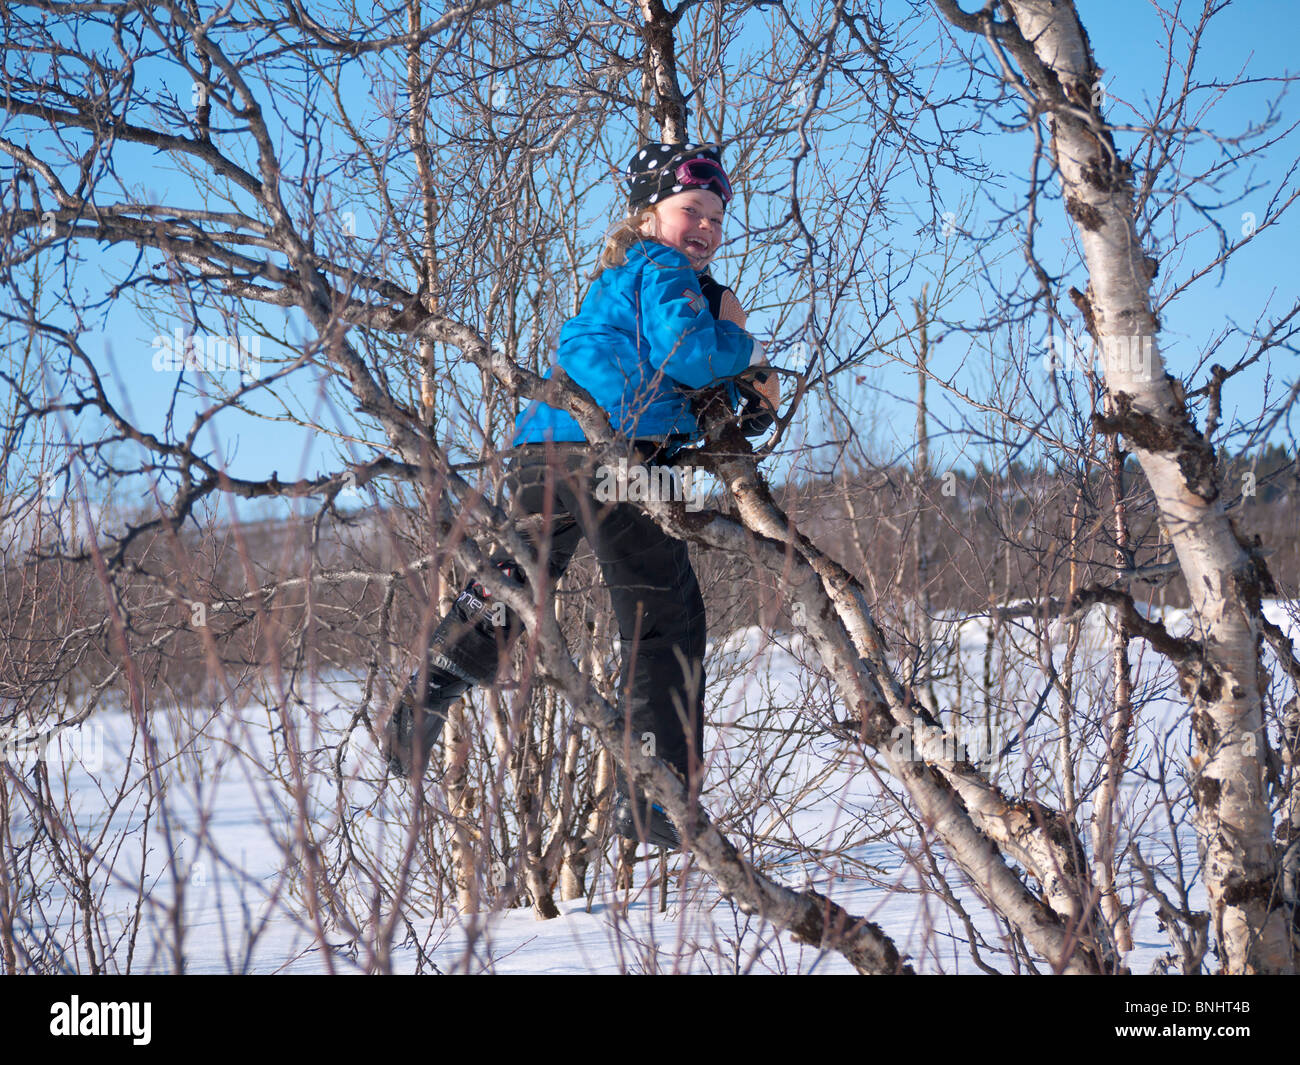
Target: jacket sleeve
686, 341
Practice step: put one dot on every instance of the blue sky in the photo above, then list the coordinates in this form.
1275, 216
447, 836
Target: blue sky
1255, 36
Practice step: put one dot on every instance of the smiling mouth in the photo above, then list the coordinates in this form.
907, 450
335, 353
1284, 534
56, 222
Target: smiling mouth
697, 246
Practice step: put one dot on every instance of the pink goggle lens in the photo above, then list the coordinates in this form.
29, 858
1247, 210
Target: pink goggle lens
703, 172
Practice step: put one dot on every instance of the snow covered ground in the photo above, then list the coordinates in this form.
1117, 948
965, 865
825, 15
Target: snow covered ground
209, 855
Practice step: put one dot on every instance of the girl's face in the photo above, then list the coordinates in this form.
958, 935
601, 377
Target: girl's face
691, 222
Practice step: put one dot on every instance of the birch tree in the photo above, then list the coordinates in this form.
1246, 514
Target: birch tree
1044, 54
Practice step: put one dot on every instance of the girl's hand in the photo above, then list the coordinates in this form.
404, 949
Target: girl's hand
770, 389
732, 311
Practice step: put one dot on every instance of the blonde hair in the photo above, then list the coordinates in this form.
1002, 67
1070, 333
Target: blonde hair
620, 238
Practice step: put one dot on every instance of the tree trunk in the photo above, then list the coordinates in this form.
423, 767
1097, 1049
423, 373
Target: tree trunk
669, 106
1289, 830
1224, 579
921, 538
1117, 742
428, 264
460, 804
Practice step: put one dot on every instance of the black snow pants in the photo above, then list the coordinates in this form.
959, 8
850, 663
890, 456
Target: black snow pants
656, 597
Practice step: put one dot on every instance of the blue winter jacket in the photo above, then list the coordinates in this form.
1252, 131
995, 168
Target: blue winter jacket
644, 332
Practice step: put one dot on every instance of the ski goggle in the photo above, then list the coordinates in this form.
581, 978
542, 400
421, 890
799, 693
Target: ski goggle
702, 173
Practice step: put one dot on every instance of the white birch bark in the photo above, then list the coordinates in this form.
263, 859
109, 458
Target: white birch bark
460, 806
669, 107
1289, 830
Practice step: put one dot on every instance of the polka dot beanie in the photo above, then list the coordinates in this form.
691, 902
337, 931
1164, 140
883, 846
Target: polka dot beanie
652, 174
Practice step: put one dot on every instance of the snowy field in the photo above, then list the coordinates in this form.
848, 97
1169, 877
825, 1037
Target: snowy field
202, 870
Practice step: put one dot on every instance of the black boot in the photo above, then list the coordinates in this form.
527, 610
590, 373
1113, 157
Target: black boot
409, 735
636, 817
462, 653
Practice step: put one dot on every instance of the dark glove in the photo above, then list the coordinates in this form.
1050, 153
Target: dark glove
755, 414
743, 399
739, 399
712, 291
